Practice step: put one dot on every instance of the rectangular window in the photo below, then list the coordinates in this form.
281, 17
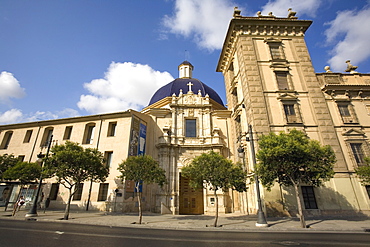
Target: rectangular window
282, 80
309, 199
103, 191
89, 134
6, 140
345, 113
78, 194
67, 133
368, 109
368, 190
358, 153
276, 51
21, 158
27, 137
290, 114
108, 158
54, 191
46, 138
191, 128
112, 129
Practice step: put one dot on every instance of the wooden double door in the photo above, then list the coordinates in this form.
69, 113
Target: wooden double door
191, 200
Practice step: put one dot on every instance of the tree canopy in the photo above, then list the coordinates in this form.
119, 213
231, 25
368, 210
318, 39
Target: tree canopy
363, 172
7, 161
212, 170
142, 169
292, 159
71, 164
24, 172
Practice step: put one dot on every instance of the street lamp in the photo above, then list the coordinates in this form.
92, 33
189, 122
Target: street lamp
261, 219
33, 209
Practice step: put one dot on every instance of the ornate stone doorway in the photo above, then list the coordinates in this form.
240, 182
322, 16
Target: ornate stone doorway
191, 200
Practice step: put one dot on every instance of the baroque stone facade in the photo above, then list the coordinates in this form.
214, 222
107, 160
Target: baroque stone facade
271, 85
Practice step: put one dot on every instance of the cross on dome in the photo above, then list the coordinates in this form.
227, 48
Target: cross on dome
190, 84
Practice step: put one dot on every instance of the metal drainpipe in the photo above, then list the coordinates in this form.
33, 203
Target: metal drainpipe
34, 144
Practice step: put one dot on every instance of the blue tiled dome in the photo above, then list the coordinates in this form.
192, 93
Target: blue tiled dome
181, 83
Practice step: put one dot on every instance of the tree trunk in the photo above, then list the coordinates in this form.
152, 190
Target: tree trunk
299, 205
216, 203
140, 210
68, 206
88, 198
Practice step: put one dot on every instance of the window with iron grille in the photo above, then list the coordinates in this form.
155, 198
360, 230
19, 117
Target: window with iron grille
358, 153
309, 199
78, 195
103, 191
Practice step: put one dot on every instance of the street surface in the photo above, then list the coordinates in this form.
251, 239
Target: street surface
53, 234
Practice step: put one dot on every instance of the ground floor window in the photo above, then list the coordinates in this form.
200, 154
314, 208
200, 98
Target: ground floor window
54, 191
78, 194
309, 199
368, 190
103, 191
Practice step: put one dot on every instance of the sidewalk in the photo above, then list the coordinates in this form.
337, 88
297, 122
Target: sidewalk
229, 222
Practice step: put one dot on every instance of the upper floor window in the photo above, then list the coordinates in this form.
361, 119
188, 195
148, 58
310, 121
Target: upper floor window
27, 137
6, 140
291, 113
108, 158
347, 113
276, 51
46, 138
21, 158
67, 133
358, 153
89, 133
112, 129
282, 79
191, 128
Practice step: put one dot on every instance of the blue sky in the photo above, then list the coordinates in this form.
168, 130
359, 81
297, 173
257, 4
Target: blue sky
66, 58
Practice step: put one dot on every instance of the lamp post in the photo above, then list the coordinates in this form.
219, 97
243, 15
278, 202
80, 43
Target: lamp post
261, 219
33, 209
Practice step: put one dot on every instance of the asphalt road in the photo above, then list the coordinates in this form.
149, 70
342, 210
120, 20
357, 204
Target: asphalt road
51, 234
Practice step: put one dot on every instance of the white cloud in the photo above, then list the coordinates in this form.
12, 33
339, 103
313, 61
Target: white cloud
280, 7
206, 21
11, 116
349, 34
125, 86
10, 87
16, 116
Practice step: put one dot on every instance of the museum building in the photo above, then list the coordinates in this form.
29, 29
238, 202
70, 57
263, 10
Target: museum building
270, 84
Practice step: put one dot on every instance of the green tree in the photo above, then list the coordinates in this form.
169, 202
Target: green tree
24, 172
212, 170
141, 169
363, 172
6, 162
71, 164
292, 159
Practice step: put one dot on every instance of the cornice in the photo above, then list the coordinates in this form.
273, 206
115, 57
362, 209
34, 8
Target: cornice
259, 27
70, 120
